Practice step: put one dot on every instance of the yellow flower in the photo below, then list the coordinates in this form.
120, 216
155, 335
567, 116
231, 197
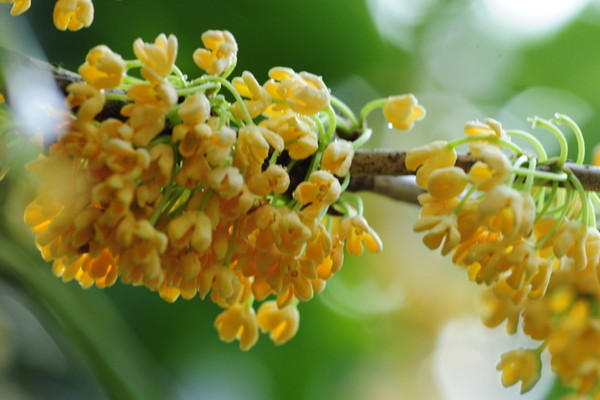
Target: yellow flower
123, 158
161, 165
88, 98
303, 92
226, 181
570, 240
225, 285
115, 194
282, 324
18, 6
487, 260
253, 145
337, 157
573, 347
507, 210
83, 139
402, 111
495, 310
73, 14
447, 183
298, 133
140, 262
159, 93
2, 98
490, 128
103, 68
493, 169
520, 365
274, 179
289, 233
219, 144
238, 322
248, 87
195, 109
158, 57
428, 158
296, 275
357, 232
220, 53
537, 322
321, 189
147, 113
192, 228
525, 267
442, 228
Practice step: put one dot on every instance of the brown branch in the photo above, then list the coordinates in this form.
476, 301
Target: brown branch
382, 171
379, 171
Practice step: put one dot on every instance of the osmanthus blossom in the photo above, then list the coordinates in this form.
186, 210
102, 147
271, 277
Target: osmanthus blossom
220, 52
302, 92
103, 69
337, 157
18, 6
158, 57
257, 97
402, 111
280, 323
428, 158
73, 14
534, 247
190, 195
521, 365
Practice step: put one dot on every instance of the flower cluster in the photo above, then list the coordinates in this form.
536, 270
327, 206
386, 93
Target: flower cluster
68, 14
190, 193
523, 226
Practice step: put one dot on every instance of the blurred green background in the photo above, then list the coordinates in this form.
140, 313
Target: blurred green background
397, 325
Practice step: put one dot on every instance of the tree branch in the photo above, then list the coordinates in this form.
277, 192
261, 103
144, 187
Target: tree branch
379, 171
382, 171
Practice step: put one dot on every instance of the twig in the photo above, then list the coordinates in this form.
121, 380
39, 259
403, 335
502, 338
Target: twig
379, 171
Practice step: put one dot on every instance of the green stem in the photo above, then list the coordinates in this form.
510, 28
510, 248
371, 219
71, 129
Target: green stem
228, 86
362, 139
585, 203
561, 118
492, 139
332, 123
182, 79
198, 88
117, 96
537, 145
562, 141
517, 164
340, 105
559, 220
547, 201
530, 178
551, 176
464, 199
369, 107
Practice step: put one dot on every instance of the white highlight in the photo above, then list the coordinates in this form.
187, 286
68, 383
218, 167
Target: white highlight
534, 16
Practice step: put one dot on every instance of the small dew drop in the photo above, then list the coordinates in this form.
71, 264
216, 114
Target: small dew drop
390, 126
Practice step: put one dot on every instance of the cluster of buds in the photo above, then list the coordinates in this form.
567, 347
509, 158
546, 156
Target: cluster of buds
524, 227
210, 187
68, 14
